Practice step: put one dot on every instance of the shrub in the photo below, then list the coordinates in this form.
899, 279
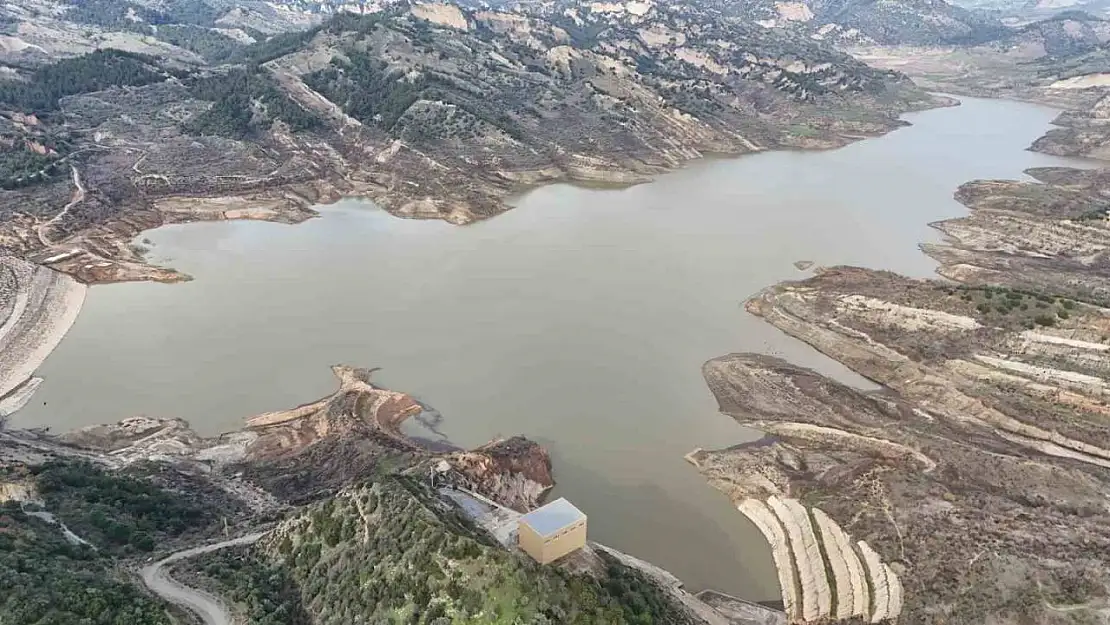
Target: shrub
1045, 320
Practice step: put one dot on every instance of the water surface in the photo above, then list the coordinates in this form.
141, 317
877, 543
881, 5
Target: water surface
580, 319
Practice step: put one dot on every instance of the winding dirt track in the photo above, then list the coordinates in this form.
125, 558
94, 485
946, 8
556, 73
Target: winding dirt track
208, 607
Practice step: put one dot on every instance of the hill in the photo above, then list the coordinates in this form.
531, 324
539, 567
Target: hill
317, 515
392, 551
432, 110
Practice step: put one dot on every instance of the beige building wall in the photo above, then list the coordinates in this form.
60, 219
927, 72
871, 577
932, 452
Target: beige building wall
530, 542
545, 551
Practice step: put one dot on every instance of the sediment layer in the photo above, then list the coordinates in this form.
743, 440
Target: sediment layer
37, 307
815, 557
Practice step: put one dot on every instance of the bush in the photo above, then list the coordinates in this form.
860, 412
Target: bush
46, 580
115, 513
1045, 320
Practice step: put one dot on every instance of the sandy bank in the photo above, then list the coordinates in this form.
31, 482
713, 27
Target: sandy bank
37, 308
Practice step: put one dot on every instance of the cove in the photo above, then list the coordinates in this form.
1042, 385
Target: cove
580, 319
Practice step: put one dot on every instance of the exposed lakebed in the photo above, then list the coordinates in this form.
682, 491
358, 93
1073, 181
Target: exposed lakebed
580, 319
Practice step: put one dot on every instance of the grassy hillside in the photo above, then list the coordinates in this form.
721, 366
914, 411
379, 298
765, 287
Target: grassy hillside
392, 552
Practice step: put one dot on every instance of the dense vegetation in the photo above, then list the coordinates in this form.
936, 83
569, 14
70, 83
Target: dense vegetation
116, 513
184, 23
112, 14
138, 18
276, 46
263, 590
1006, 307
243, 100
213, 46
367, 89
40, 92
21, 166
45, 580
95, 71
188, 12
394, 553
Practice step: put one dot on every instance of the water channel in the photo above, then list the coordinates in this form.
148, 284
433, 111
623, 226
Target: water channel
580, 319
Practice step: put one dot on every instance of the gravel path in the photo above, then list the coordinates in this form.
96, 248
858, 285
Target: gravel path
208, 607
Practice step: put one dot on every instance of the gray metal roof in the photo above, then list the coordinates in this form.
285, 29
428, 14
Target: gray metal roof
552, 517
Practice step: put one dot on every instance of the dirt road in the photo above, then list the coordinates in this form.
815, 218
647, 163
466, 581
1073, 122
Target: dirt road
208, 607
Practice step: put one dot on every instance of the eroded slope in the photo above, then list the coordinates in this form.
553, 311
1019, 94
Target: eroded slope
979, 476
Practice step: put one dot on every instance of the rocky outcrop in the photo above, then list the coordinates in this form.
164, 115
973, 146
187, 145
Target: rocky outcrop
515, 472
356, 408
814, 583
1084, 132
18, 491
1047, 238
850, 580
763, 517
141, 435
929, 524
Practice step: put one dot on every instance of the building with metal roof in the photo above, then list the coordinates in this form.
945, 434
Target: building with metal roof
552, 531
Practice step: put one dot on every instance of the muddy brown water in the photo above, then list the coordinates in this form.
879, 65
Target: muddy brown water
580, 319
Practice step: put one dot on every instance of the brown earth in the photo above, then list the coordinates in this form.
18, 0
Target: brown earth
514, 472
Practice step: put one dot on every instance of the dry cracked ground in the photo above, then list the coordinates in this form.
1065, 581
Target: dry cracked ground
974, 486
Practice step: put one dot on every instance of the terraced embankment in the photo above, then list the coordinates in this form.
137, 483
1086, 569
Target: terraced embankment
822, 573
973, 488
37, 307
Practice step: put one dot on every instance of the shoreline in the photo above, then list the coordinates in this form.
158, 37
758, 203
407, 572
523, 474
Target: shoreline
40, 308
956, 375
450, 232
85, 260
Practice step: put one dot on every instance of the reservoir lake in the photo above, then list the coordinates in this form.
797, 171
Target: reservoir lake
579, 319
